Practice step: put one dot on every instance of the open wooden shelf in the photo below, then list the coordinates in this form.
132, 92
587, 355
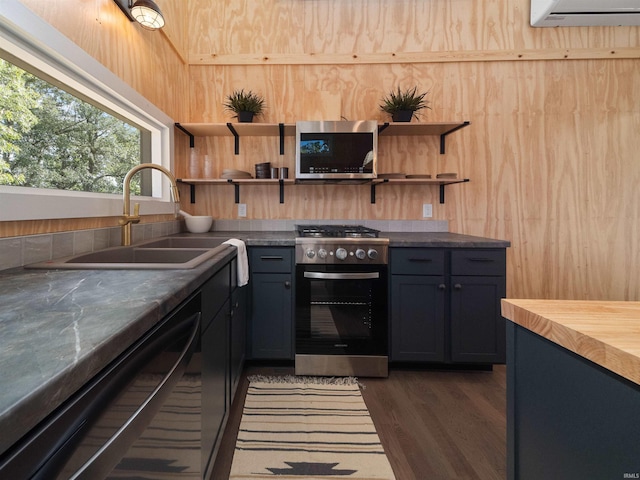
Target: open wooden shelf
441, 182
282, 130
441, 129
242, 129
235, 182
237, 130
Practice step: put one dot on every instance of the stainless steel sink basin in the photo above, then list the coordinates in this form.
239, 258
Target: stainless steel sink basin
152, 255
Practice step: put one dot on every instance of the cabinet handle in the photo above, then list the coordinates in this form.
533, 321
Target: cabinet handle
271, 257
457, 286
287, 284
442, 286
342, 276
480, 259
423, 260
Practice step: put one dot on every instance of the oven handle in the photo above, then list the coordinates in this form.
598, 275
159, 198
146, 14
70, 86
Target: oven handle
342, 276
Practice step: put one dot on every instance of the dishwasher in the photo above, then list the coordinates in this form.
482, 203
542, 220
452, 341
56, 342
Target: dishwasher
138, 418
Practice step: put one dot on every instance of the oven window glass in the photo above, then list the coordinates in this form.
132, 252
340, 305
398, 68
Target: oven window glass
340, 309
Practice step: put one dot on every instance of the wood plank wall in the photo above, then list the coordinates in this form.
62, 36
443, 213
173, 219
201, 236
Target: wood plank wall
551, 152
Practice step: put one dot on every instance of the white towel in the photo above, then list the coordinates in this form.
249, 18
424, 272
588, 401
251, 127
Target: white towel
243, 261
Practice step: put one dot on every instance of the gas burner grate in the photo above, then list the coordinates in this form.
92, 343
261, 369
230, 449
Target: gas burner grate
336, 231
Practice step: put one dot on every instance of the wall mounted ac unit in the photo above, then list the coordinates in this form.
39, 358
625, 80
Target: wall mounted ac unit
579, 13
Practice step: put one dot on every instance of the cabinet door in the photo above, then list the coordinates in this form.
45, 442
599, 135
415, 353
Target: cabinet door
214, 381
272, 316
238, 335
417, 318
477, 326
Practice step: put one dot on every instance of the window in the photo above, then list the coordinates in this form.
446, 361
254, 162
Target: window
50, 138
55, 176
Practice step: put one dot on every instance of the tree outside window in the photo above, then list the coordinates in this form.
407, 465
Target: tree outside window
52, 139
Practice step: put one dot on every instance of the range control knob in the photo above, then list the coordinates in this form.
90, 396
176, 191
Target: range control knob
322, 253
341, 253
372, 253
310, 253
360, 254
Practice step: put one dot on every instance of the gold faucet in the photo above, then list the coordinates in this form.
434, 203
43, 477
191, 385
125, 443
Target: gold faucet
127, 219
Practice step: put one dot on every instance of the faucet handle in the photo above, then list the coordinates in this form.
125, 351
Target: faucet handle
136, 209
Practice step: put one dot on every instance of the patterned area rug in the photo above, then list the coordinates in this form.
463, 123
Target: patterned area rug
307, 428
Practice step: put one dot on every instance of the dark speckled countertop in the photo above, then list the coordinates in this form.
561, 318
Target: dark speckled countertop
58, 328
396, 239
442, 240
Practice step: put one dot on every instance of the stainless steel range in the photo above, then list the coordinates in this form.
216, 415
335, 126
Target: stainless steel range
341, 301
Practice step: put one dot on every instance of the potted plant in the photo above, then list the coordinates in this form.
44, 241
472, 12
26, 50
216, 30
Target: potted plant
403, 105
245, 105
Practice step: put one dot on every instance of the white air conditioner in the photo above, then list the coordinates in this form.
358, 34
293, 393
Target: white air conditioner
581, 13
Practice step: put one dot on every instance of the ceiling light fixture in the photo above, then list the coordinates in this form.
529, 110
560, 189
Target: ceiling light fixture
145, 12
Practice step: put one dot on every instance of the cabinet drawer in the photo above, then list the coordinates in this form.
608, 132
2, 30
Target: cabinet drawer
271, 259
215, 292
478, 262
417, 261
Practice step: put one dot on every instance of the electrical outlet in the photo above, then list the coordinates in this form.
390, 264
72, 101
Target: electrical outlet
427, 210
242, 209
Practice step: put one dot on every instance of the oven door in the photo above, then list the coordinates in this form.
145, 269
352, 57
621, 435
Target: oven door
341, 310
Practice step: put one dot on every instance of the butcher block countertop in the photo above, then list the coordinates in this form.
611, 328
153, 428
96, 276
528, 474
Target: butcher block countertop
606, 333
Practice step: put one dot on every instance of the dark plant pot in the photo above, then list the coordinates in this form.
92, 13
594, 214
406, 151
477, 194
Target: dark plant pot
245, 117
402, 116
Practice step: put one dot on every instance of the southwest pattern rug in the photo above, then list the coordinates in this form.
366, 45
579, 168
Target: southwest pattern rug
307, 428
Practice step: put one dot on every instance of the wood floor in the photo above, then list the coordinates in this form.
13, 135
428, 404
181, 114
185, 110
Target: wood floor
433, 424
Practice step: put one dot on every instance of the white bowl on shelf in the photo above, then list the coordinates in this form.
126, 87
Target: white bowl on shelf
198, 223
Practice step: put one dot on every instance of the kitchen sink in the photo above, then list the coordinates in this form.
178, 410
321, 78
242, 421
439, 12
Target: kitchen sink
183, 242
165, 253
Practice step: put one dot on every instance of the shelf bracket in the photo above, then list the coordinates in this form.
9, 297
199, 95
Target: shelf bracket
442, 185
444, 136
192, 193
373, 189
281, 183
187, 132
236, 190
281, 130
236, 139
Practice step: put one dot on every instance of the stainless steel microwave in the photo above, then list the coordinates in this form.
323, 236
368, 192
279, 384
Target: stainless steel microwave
336, 150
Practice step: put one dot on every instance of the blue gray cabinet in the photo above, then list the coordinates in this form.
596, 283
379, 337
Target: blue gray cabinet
238, 335
567, 417
418, 294
477, 283
223, 353
445, 305
271, 325
215, 348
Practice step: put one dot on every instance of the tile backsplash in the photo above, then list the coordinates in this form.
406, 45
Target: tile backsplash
18, 251
289, 225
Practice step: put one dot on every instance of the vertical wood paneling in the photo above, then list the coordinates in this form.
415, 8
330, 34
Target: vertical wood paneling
371, 26
551, 153
144, 59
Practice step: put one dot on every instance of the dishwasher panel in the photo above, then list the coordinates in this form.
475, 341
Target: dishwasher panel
139, 418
